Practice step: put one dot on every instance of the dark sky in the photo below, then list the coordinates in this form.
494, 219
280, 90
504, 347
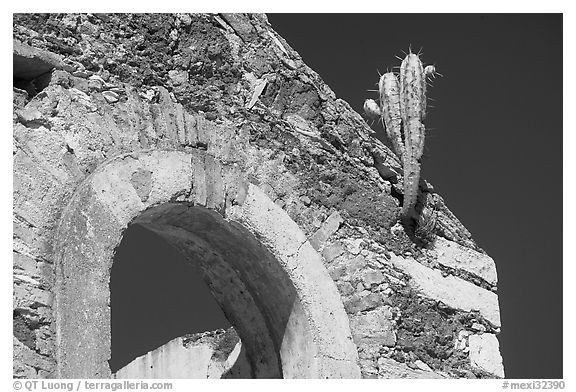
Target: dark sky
495, 149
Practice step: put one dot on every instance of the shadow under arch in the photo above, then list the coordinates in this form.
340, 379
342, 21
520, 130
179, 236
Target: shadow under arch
267, 278
246, 280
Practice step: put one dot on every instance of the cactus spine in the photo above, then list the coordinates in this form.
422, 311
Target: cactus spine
403, 109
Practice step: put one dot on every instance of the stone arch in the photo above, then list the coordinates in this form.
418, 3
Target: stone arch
195, 203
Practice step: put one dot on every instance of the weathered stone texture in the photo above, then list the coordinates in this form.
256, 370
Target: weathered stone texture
216, 354
456, 256
243, 112
453, 291
485, 353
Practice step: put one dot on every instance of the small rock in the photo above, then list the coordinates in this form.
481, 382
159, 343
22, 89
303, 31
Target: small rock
306, 200
278, 43
110, 96
370, 351
20, 97
178, 77
291, 64
197, 66
397, 229
345, 288
97, 78
422, 366
354, 246
105, 75
461, 342
78, 95
28, 115
463, 334
300, 123
371, 277
395, 280
332, 251
72, 66
358, 263
185, 19
459, 345
69, 21
26, 279
149, 95
337, 272
117, 90
174, 35
87, 28
329, 227
360, 302
374, 329
81, 74
95, 85
478, 327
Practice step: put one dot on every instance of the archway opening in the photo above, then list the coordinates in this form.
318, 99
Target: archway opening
155, 297
181, 271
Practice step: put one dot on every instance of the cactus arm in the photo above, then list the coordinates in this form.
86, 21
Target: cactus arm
372, 109
413, 87
391, 110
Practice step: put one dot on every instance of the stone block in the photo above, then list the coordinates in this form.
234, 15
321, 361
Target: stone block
372, 277
332, 251
485, 353
199, 186
453, 255
374, 328
191, 135
214, 183
329, 227
362, 301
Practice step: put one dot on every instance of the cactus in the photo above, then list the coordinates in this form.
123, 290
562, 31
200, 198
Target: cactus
403, 109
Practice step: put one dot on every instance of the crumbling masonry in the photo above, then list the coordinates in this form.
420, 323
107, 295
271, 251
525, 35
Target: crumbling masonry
211, 132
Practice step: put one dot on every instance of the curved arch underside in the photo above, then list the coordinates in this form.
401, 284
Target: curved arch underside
265, 275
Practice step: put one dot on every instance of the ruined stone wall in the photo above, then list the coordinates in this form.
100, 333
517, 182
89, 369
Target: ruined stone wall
216, 354
88, 88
